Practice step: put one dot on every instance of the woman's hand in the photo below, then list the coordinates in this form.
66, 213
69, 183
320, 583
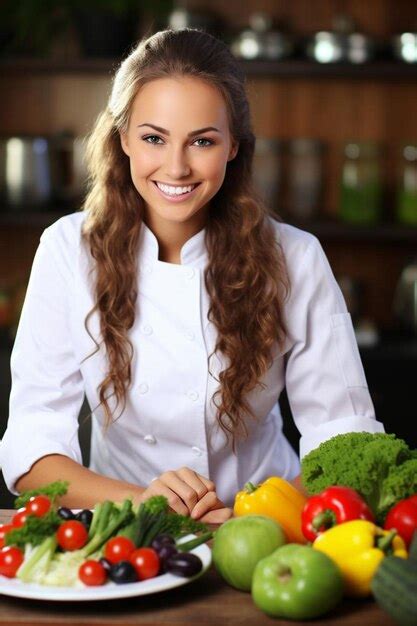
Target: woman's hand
184, 490
211, 510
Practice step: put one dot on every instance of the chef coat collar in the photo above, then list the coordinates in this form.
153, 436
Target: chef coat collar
193, 252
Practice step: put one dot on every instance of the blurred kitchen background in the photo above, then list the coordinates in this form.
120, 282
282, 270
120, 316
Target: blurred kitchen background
333, 90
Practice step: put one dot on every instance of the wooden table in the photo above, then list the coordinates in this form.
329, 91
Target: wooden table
207, 601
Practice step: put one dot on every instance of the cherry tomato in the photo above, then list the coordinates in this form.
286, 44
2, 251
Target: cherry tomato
72, 535
118, 549
92, 573
38, 505
11, 559
4, 528
146, 562
19, 518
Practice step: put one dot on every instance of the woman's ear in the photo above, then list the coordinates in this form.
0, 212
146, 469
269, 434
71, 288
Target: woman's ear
124, 143
233, 151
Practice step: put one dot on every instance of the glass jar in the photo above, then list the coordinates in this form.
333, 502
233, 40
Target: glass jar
305, 177
360, 187
407, 191
267, 171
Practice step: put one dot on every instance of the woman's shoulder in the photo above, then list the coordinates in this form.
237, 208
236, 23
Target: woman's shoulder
294, 241
66, 232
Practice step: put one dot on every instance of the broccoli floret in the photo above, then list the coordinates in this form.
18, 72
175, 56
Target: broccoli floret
400, 483
374, 464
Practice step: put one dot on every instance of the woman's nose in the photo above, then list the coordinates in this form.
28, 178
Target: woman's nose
177, 165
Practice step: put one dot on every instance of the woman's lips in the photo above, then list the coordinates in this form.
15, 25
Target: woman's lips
180, 198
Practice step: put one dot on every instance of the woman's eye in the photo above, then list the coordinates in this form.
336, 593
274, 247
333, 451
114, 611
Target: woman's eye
209, 142
151, 137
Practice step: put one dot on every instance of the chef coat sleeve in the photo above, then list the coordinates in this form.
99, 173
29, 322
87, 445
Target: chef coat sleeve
326, 385
47, 387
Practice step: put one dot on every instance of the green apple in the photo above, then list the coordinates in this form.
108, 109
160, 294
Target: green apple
240, 543
296, 582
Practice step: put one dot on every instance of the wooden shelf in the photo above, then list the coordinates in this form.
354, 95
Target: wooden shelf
290, 68
341, 231
302, 68
40, 219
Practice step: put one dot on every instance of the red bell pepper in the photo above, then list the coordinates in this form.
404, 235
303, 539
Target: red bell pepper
332, 506
403, 517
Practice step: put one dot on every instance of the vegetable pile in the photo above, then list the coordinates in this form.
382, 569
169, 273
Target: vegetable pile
358, 527
116, 542
382, 468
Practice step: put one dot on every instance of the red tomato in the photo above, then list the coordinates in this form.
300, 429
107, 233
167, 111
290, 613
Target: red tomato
118, 549
146, 563
11, 559
92, 573
19, 518
4, 528
38, 505
72, 535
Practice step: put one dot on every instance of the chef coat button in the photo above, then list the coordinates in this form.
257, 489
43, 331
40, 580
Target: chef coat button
149, 439
197, 451
146, 329
190, 335
143, 388
190, 273
193, 395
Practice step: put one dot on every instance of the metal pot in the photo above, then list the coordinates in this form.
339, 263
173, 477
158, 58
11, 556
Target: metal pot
261, 40
38, 171
404, 47
341, 44
25, 172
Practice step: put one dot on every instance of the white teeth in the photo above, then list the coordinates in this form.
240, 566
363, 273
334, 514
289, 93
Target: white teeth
174, 191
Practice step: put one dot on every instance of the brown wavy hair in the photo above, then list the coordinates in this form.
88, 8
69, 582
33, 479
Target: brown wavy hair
245, 277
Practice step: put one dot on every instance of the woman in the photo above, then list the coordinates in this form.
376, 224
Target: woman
178, 305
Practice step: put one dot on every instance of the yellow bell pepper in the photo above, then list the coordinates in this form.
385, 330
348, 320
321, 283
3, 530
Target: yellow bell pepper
275, 498
358, 547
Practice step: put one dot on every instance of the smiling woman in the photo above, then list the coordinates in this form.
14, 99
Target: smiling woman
179, 166
179, 305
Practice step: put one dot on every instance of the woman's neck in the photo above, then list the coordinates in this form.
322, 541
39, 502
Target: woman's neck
172, 236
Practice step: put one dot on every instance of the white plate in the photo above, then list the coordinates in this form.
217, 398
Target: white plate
108, 591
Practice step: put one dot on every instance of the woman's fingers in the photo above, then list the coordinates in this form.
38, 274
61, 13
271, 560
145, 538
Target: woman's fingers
198, 483
207, 503
217, 516
183, 489
158, 488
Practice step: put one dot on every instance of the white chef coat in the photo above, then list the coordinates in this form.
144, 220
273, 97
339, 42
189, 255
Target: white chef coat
169, 419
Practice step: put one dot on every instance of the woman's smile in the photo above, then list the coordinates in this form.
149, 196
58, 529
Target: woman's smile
176, 193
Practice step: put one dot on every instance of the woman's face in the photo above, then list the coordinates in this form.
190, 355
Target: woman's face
178, 143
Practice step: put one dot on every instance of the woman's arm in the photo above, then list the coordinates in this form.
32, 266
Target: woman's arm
86, 488
324, 377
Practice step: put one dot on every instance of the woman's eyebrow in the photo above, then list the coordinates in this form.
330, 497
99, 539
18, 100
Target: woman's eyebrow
192, 134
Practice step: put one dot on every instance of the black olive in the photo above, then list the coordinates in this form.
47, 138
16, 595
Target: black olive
162, 540
85, 516
184, 564
123, 572
105, 563
165, 552
65, 513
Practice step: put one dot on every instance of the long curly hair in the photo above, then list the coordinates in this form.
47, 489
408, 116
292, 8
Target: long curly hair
246, 276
